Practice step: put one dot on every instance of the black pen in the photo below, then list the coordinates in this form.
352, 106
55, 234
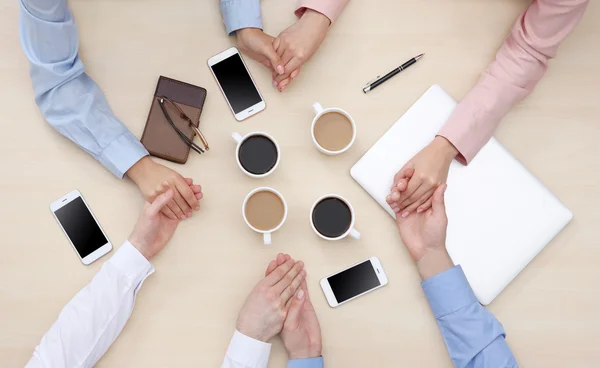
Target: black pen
377, 81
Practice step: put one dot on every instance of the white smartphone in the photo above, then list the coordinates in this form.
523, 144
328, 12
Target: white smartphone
354, 281
236, 83
81, 227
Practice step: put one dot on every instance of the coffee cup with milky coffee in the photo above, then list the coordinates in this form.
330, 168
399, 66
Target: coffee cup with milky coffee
264, 210
333, 130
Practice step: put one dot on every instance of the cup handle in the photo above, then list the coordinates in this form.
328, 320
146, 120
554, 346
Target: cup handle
236, 137
318, 108
354, 233
267, 238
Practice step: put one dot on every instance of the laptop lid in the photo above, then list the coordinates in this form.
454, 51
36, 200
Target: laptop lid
499, 215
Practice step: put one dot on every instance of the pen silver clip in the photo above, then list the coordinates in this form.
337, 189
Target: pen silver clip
372, 80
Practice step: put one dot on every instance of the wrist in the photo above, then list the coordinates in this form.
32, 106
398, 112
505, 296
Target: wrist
247, 31
256, 335
305, 354
435, 261
445, 147
139, 169
137, 244
316, 18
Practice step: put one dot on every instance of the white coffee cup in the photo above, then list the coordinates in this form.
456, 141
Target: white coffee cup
320, 111
352, 232
266, 233
239, 139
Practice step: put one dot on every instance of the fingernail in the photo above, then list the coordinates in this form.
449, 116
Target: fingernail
182, 217
280, 69
389, 198
189, 214
396, 210
405, 214
275, 83
197, 207
419, 210
300, 294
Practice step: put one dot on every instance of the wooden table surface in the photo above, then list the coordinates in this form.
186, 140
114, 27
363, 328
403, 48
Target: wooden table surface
185, 313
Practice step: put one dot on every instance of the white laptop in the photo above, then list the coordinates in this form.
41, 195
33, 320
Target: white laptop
500, 215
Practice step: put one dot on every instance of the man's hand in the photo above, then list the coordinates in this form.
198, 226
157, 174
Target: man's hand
424, 235
430, 167
259, 46
301, 332
267, 306
154, 179
298, 43
153, 229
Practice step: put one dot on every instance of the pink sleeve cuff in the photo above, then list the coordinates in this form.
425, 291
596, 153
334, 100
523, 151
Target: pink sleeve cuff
476, 117
330, 8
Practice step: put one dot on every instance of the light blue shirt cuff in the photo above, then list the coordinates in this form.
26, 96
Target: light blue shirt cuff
306, 363
122, 153
448, 291
238, 14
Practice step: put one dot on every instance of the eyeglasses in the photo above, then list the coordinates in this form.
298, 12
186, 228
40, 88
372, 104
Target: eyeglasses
182, 135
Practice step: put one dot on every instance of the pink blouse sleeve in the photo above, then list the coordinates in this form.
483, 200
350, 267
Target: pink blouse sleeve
330, 8
520, 63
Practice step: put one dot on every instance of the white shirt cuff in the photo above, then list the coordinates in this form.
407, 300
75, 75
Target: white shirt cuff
248, 351
131, 263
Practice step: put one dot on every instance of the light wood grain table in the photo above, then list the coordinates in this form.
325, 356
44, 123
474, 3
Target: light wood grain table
185, 313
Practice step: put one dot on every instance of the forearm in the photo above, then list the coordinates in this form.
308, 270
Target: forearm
330, 8
69, 100
519, 65
239, 14
92, 320
473, 337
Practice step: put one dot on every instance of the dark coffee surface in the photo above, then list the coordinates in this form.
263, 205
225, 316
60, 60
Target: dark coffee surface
332, 217
258, 154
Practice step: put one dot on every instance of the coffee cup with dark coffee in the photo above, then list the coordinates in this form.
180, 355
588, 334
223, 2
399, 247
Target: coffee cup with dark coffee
257, 153
332, 218
333, 130
264, 210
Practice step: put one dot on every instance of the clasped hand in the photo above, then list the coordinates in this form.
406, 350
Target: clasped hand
287, 53
280, 304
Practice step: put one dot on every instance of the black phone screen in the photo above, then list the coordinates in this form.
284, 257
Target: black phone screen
353, 281
80, 226
236, 83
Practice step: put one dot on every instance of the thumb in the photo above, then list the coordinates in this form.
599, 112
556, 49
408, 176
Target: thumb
438, 199
270, 53
406, 172
293, 316
160, 202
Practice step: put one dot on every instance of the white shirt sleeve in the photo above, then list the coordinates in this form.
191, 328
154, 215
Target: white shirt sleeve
246, 352
92, 320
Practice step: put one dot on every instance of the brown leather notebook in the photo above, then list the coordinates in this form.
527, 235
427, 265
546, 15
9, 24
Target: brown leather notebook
159, 137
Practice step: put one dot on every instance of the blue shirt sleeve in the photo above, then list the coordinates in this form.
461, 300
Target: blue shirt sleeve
473, 337
70, 100
306, 363
238, 14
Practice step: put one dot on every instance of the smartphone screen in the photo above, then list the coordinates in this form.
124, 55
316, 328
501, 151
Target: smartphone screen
80, 226
236, 83
353, 281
